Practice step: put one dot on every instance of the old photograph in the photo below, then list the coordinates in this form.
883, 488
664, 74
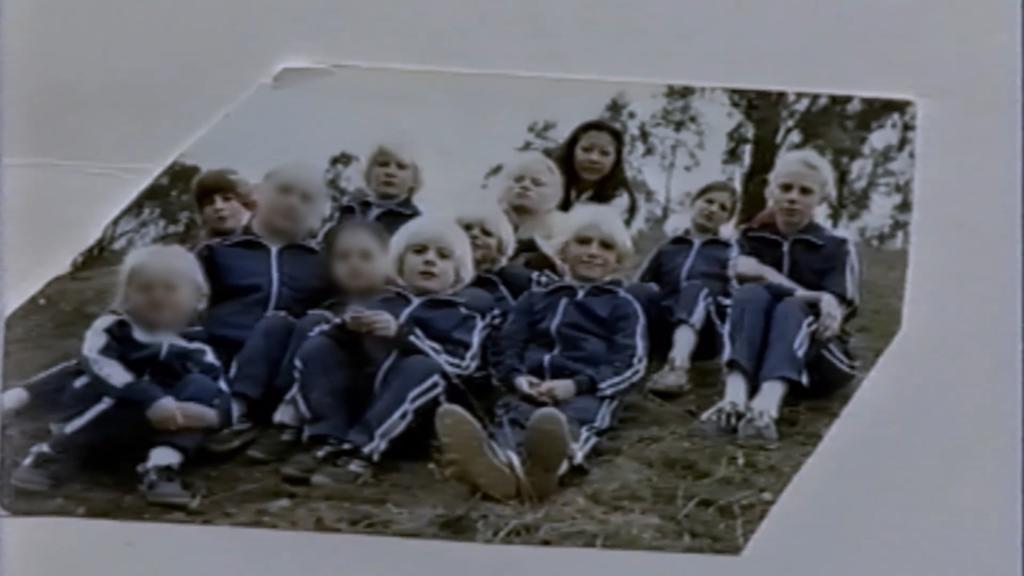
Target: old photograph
496, 308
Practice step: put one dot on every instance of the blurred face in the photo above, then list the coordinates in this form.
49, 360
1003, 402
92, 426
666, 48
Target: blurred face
594, 156
391, 178
288, 210
358, 263
160, 300
794, 193
428, 268
590, 256
711, 211
531, 190
223, 215
485, 243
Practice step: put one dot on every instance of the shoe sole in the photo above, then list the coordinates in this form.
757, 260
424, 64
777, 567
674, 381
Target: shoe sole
236, 444
179, 503
464, 440
547, 447
34, 487
264, 457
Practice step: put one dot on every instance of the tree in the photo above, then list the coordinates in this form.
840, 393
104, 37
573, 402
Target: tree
673, 134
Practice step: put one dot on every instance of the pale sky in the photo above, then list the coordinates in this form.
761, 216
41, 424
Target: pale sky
455, 125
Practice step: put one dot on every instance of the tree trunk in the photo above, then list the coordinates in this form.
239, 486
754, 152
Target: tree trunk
764, 148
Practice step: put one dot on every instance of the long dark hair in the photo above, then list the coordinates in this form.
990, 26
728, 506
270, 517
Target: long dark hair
606, 189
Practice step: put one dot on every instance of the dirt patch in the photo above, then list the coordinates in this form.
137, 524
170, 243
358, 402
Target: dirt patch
652, 485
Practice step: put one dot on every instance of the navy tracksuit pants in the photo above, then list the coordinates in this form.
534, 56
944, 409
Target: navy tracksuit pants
361, 390
100, 423
693, 304
772, 337
263, 371
588, 416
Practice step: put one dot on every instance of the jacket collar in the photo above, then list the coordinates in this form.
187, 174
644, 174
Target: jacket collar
813, 232
688, 237
248, 235
404, 206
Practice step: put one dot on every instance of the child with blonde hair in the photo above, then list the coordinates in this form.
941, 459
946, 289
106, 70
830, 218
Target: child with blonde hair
566, 355
692, 275
144, 384
531, 188
392, 177
786, 323
369, 376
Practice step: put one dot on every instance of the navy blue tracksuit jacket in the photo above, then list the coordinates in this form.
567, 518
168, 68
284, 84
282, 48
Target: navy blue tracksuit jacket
391, 216
368, 390
249, 278
124, 370
595, 334
772, 334
693, 281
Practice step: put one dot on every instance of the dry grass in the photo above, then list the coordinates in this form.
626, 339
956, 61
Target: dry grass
652, 485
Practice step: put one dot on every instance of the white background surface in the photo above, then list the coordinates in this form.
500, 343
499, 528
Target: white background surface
921, 475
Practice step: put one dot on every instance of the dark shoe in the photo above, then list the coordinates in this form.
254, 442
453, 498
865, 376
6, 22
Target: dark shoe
161, 486
274, 445
42, 470
232, 438
300, 467
547, 446
345, 471
669, 382
471, 453
722, 419
758, 428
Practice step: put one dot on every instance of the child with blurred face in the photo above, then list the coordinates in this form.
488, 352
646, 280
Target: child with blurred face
800, 287
691, 277
356, 263
291, 203
400, 349
224, 201
143, 380
565, 355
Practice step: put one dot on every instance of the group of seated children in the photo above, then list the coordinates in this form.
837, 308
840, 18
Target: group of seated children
506, 328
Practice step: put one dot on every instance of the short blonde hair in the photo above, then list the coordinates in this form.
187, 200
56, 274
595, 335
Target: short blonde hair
533, 159
606, 219
438, 231
162, 257
809, 160
400, 153
490, 216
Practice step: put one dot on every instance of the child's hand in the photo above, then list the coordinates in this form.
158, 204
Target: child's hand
380, 323
527, 386
558, 390
164, 414
830, 316
356, 319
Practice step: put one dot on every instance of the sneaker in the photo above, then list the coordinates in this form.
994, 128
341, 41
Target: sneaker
670, 382
161, 486
758, 427
274, 445
300, 467
232, 438
547, 445
465, 444
42, 470
345, 471
722, 419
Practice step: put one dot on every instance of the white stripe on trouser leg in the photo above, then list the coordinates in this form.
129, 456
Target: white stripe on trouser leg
400, 419
89, 415
384, 367
589, 434
803, 337
700, 311
49, 371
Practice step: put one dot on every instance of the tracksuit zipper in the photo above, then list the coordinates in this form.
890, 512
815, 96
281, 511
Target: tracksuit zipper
554, 337
689, 261
275, 281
